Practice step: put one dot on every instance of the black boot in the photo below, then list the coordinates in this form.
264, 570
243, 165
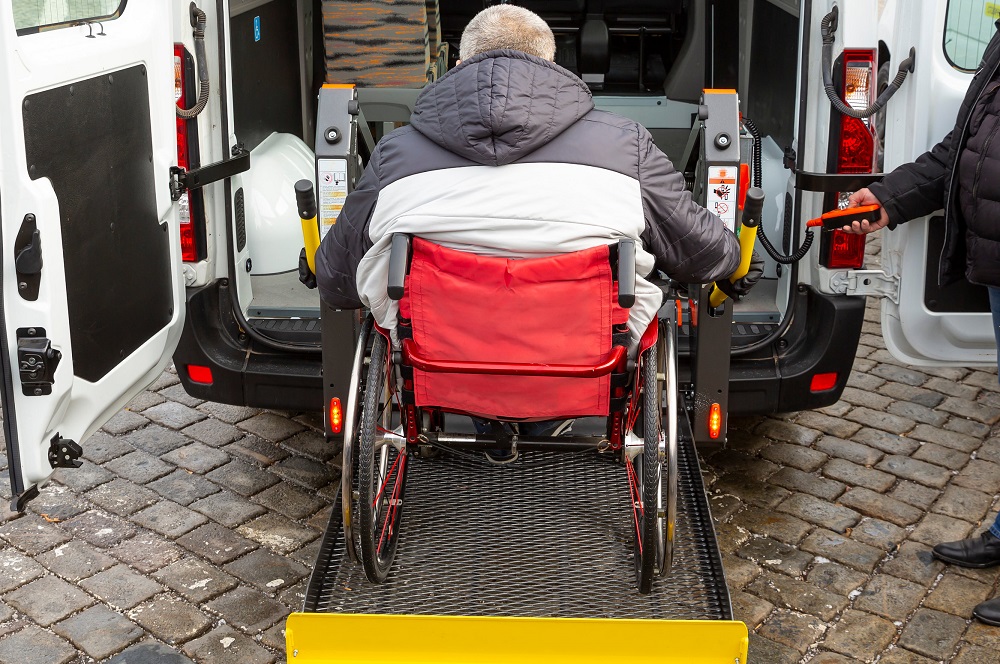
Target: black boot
981, 551
988, 612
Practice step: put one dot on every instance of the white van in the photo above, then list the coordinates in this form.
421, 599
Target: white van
111, 267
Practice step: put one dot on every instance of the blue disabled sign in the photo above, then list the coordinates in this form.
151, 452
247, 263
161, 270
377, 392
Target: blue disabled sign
256, 28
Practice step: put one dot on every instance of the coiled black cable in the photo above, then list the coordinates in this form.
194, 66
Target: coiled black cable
198, 21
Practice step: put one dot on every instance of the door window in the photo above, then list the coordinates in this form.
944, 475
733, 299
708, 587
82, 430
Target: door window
968, 28
32, 15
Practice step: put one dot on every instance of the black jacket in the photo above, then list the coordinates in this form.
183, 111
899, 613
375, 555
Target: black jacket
972, 240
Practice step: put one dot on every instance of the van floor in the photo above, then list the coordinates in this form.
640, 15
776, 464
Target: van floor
282, 295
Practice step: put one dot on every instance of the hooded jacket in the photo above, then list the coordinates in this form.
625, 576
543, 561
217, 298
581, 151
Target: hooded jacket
506, 156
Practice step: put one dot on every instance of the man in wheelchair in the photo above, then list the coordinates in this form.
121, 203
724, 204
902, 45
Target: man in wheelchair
515, 226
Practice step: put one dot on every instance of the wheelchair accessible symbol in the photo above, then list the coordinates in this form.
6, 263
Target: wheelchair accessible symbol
256, 28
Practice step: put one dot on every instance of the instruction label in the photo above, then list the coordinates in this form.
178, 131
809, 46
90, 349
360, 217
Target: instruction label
332, 186
992, 10
722, 192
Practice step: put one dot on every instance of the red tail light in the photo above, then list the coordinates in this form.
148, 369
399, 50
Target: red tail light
336, 416
845, 250
192, 218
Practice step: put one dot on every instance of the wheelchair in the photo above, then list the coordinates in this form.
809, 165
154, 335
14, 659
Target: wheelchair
509, 341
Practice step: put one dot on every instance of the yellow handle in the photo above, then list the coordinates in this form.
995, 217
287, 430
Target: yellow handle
310, 234
748, 236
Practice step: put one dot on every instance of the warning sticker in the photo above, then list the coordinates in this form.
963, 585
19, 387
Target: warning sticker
722, 193
332, 185
992, 10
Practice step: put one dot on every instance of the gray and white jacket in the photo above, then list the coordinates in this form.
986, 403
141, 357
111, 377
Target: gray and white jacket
506, 156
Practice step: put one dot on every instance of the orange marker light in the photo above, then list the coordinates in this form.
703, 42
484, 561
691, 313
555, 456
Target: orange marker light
714, 421
336, 416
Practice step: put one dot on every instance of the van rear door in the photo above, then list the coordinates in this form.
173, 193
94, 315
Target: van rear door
930, 325
92, 297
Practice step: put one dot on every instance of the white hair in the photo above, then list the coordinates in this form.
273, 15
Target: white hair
507, 26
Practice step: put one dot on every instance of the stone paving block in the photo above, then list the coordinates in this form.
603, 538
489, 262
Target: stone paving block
954, 374
75, 560
738, 440
986, 636
975, 655
860, 635
121, 497
294, 596
863, 381
890, 597
56, 503
157, 440
796, 480
936, 528
139, 467
257, 450
33, 534
971, 410
836, 410
989, 450
914, 494
942, 456
147, 552
830, 658
84, 478
313, 444
149, 652
918, 413
957, 595
213, 432
803, 458
297, 504
751, 491
894, 655
5, 612
99, 529
124, 421
951, 388
782, 527
271, 426
918, 471
849, 450
821, 512
227, 508
932, 633
195, 580
963, 503
248, 609
171, 619
913, 562
980, 475
99, 631
227, 413
765, 650
881, 420
101, 448
977, 430
952, 439
739, 572
48, 599
774, 555
723, 506
897, 374
16, 569
911, 394
853, 474
35, 646
880, 506
886, 442
177, 393
726, 462
836, 578
197, 457
174, 415
216, 543
866, 398
183, 487
224, 645
787, 432
836, 547
982, 379
306, 472
120, 587
266, 571
166, 379
794, 630
274, 638
876, 532
797, 595
169, 519
242, 477
144, 400
278, 533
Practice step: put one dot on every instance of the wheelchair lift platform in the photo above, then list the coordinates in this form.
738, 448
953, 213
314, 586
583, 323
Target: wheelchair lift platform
493, 560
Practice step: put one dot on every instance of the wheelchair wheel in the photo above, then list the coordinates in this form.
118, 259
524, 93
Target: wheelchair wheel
645, 475
382, 467
667, 508
352, 423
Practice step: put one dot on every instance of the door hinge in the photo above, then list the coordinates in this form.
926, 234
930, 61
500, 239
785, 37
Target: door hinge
37, 361
875, 283
64, 453
182, 180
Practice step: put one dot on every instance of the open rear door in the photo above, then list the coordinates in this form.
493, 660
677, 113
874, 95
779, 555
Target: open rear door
932, 325
92, 299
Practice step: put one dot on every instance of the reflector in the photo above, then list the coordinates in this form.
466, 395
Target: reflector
200, 374
336, 416
714, 421
822, 382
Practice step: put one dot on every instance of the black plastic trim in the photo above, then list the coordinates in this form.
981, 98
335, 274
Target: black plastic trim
7, 404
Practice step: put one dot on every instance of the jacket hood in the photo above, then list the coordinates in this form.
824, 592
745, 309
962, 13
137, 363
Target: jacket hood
499, 106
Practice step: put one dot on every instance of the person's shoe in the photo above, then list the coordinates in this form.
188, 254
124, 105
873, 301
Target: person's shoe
988, 612
982, 551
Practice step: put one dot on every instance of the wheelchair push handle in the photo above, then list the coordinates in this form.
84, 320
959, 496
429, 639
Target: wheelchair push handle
305, 202
399, 257
753, 211
626, 273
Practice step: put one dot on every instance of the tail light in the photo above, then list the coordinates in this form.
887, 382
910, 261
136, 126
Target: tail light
714, 421
192, 209
855, 153
336, 416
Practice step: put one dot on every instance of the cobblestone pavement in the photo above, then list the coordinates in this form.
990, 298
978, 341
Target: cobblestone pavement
189, 532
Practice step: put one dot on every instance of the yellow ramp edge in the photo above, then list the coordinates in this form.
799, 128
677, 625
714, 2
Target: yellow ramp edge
332, 638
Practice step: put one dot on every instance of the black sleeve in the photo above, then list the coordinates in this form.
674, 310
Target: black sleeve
347, 242
915, 189
690, 244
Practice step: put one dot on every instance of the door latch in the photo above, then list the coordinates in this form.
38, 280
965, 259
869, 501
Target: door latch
37, 361
64, 453
875, 283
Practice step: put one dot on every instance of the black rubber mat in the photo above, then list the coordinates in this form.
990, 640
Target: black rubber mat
549, 535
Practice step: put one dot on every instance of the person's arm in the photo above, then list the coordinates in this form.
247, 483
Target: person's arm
690, 244
347, 242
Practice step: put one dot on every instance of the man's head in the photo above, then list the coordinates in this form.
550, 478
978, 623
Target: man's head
507, 26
